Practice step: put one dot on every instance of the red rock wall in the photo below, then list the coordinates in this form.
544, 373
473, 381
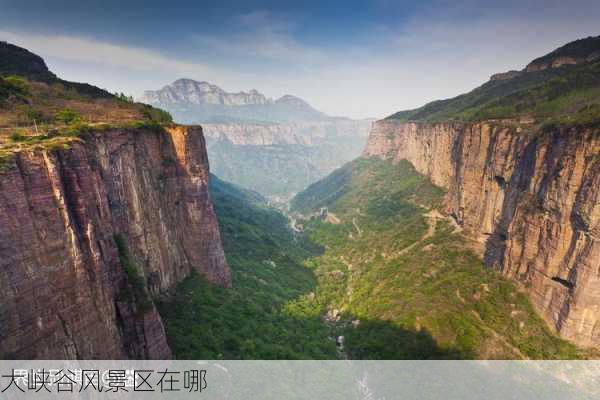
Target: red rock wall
531, 198
64, 290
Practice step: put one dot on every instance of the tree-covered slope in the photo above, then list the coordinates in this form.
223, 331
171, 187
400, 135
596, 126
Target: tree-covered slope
377, 264
405, 280
268, 314
561, 87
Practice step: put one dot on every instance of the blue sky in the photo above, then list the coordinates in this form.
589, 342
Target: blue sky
353, 58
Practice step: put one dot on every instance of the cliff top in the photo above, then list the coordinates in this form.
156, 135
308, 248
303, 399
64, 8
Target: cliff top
561, 87
30, 92
38, 108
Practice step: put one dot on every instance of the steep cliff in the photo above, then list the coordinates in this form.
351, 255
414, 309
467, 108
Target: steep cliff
530, 195
279, 160
299, 133
90, 232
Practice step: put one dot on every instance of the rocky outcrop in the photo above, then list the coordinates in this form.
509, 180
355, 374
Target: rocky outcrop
503, 76
531, 196
88, 234
576, 52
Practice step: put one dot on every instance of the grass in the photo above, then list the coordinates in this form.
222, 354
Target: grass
24, 100
133, 290
52, 137
41, 112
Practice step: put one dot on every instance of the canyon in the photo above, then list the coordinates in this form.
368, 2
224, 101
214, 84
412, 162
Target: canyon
111, 246
519, 158
275, 147
279, 160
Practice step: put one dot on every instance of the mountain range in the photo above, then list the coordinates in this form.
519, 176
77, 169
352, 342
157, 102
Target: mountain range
193, 102
275, 147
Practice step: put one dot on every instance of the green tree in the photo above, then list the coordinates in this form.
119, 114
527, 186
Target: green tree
68, 116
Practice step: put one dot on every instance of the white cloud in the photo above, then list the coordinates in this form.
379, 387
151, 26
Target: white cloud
393, 68
92, 51
262, 36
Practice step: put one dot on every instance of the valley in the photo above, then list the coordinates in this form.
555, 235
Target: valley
464, 229
275, 147
406, 287
409, 231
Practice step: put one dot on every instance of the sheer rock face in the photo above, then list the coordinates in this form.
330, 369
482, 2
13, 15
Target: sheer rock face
532, 198
65, 293
300, 133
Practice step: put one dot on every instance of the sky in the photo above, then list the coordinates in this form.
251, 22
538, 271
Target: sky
361, 59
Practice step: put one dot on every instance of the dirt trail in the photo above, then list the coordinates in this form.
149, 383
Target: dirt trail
500, 338
356, 227
432, 218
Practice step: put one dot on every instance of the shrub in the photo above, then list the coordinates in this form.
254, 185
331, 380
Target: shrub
18, 137
68, 116
13, 85
135, 289
157, 115
18, 83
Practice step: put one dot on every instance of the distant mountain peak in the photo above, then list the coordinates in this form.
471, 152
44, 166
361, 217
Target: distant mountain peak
193, 101
289, 99
188, 91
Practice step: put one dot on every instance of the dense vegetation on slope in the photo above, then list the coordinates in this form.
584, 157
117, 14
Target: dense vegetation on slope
403, 277
569, 94
393, 277
269, 313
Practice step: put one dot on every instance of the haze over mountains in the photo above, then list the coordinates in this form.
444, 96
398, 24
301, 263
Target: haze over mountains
276, 147
193, 102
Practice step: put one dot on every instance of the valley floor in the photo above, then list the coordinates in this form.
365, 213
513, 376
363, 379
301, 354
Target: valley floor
376, 268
